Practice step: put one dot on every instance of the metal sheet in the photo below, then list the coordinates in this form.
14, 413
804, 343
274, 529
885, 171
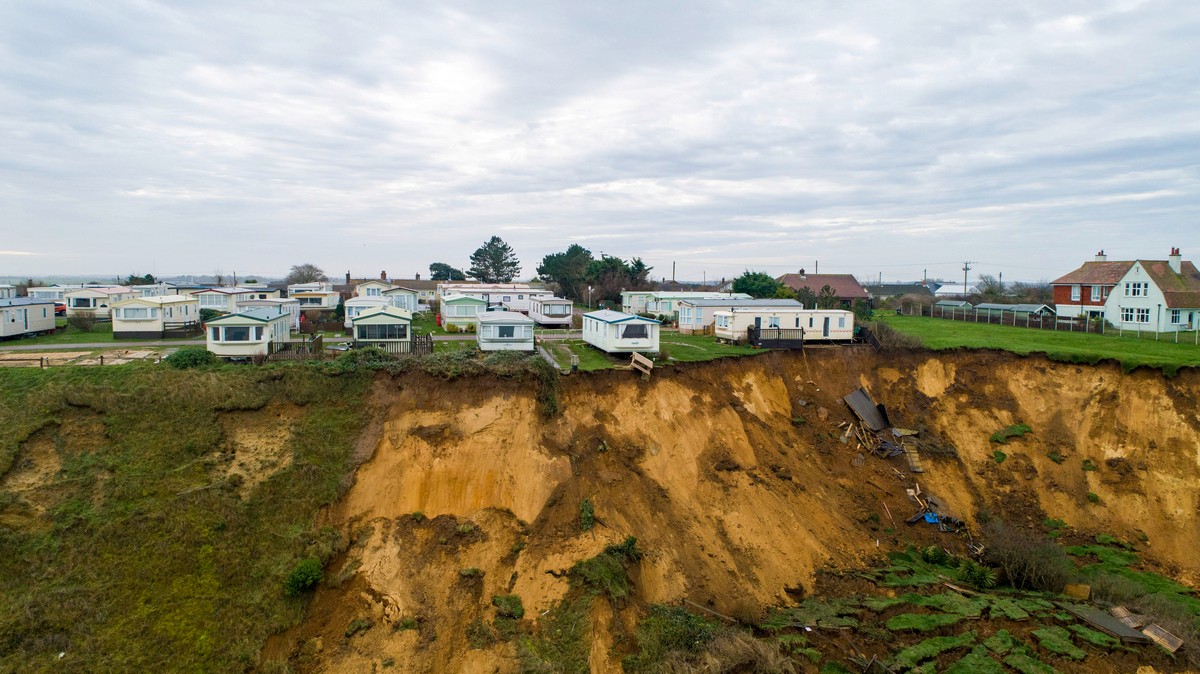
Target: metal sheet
874, 416
1106, 623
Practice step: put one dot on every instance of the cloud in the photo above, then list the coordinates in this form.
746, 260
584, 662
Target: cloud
370, 135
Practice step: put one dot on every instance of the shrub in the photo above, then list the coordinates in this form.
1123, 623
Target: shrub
470, 572
587, 515
999, 456
405, 624
451, 328
508, 606
479, 635
1003, 435
1056, 456
607, 572
305, 575
207, 315
935, 554
1089, 465
358, 626
667, 630
1029, 563
891, 339
82, 321
191, 356
1093, 497
979, 575
418, 517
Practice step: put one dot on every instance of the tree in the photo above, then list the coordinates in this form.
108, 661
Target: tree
609, 275
569, 270
23, 287
305, 273
756, 284
440, 271
494, 262
827, 298
134, 280
989, 288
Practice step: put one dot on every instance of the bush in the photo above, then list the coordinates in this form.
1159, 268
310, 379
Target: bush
451, 328
587, 515
306, 574
207, 315
508, 606
667, 630
1003, 435
1089, 465
891, 339
191, 356
471, 572
999, 456
1093, 497
607, 572
83, 321
1028, 562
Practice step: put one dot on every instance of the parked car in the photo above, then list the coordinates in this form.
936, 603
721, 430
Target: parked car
60, 308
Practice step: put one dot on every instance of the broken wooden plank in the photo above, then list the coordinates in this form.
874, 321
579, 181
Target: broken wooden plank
1163, 638
1105, 623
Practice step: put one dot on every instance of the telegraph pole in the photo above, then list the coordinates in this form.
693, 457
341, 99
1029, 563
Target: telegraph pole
966, 268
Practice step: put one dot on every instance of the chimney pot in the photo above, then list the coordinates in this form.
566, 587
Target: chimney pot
383, 275
1175, 261
418, 277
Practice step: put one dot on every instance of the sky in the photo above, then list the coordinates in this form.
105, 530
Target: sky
888, 140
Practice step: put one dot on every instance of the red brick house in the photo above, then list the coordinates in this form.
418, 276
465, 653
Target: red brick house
844, 286
1084, 291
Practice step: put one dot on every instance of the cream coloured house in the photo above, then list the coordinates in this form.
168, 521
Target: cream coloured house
223, 299
385, 327
287, 304
551, 312
155, 317
317, 295
256, 332
818, 324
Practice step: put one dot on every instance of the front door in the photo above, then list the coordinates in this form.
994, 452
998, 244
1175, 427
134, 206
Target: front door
758, 322
825, 328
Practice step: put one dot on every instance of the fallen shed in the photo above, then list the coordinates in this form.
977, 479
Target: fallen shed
872, 415
1106, 623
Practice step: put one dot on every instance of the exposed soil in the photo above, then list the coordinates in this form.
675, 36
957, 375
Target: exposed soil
734, 480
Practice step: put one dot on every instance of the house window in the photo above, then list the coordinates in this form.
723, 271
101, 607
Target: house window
216, 334
372, 292
135, 314
394, 331
520, 297
797, 321
258, 333
237, 333
1176, 316
1097, 293
638, 331
810, 321
773, 322
212, 300
1075, 294
81, 302
1137, 289
1142, 315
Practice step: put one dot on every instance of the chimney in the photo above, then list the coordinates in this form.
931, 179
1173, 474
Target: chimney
802, 272
417, 277
383, 275
1100, 256
1175, 261
347, 278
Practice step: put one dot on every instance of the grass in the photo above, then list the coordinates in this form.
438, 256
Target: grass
939, 334
561, 643
1057, 640
607, 573
148, 557
922, 622
590, 358
667, 630
1005, 434
694, 348
976, 662
931, 648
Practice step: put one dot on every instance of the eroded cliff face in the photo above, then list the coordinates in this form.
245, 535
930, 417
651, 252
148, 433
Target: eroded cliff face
734, 480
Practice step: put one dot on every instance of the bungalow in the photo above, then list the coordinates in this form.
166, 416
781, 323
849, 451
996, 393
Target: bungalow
1157, 296
943, 306
388, 328
666, 302
699, 315
1085, 291
21, 316
155, 317
818, 324
845, 287
262, 291
288, 304
505, 331
256, 332
512, 296
403, 298
317, 295
618, 332
355, 306
223, 299
551, 312
462, 310
96, 299
372, 288
425, 289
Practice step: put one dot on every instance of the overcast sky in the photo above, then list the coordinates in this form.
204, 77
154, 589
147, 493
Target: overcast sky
876, 137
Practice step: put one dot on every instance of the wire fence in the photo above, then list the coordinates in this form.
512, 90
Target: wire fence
1045, 321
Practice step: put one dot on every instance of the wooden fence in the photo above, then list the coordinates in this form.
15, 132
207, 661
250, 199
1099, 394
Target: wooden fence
297, 349
183, 329
418, 346
776, 338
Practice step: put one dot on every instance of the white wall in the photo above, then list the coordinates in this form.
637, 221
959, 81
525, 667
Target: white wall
1147, 311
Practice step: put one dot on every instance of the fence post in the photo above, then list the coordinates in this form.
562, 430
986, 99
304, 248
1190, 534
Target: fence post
101, 359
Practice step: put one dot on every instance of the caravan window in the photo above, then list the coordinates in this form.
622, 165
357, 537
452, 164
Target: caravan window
505, 331
638, 331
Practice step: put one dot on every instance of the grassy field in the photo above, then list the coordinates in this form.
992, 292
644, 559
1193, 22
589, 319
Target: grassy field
680, 348
938, 334
146, 552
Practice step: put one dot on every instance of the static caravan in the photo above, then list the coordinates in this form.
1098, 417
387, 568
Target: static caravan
667, 302
251, 333
155, 317
56, 293
386, 327
292, 306
511, 296
551, 312
318, 296
402, 298
504, 331
462, 310
617, 332
7, 292
96, 299
818, 324
21, 316
698, 315
224, 300
359, 304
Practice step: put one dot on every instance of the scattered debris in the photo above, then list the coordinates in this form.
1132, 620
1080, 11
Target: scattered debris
1131, 619
1163, 638
1106, 623
902, 432
871, 414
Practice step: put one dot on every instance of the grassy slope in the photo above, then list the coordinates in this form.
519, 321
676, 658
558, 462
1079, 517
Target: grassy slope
148, 558
1075, 347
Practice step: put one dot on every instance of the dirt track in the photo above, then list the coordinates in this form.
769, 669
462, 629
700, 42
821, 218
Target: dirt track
732, 477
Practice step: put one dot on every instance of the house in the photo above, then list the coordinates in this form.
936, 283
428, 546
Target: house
699, 315
386, 327
7, 292
262, 291
425, 289
462, 311
994, 309
255, 332
223, 299
318, 295
96, 299
21, 316
372, 288
156, 317
551, 312
1157, 296
1085, 291
505, 331
845, 287
666, 302
356, 306
619, 332
511, 296
288, 304
733, 323
404, 298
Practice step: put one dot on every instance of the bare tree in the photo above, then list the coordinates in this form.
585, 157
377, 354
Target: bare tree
305, 273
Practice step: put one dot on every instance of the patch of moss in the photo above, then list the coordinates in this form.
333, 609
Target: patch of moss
1005, 434
1057, 640
931, 648
922, 622
976, 662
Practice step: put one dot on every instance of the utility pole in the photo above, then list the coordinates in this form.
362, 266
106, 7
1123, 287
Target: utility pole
1001, 283
672, 272
816, 266
966, 268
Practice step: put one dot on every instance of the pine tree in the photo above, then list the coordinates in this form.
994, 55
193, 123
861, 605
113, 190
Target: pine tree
494, 262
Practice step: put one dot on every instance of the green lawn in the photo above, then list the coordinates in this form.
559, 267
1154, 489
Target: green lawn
590, 358
691, 348
938, 334
454, 345
423, 324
